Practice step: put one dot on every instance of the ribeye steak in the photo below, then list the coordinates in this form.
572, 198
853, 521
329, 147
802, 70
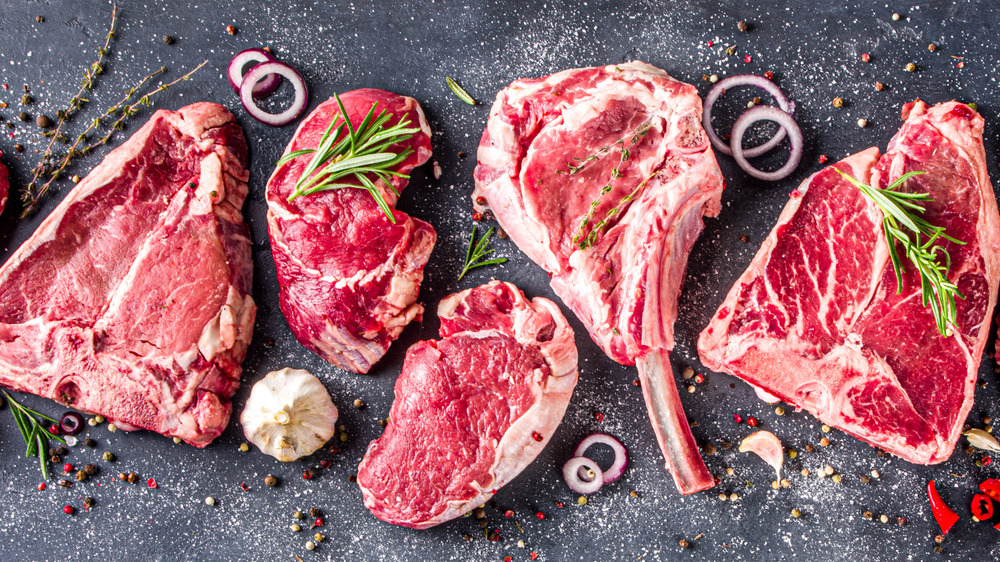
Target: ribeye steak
472, 409
816, 320
349, 277
132, 299
602, 176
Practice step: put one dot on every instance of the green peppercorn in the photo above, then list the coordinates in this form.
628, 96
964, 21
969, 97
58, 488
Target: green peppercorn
108, 456
26, 99
81, 476
298, 515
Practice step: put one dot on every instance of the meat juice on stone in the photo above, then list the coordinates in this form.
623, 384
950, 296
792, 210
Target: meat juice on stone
132, 299
816, 319
601, 176
349, 277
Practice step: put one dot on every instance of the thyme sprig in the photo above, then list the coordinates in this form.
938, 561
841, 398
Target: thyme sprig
599, 227
363, 152
30, 196
581, 238
36, 436
903, 224
477, 251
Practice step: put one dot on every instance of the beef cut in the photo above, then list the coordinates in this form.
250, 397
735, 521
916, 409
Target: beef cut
472, 409
816, 320
602, 176
4, 186
132, 299
349, 277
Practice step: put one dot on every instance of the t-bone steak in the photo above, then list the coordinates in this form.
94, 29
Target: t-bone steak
602, 176
816, 320
132, 299
472, 409
349, 277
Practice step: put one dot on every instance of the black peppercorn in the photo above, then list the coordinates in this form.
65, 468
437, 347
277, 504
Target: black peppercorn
61, 450
39, 19
742, 26
89, 442
168, 40
56, 459
23, 116
18, 148
90, 469
65, 483
314, 513
133, 477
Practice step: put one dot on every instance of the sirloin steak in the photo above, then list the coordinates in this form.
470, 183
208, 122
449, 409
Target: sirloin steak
132, 299
601, 176
816, 321
349, 277
472, 409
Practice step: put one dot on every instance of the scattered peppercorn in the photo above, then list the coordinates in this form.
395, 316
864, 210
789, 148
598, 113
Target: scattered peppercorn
112, 427
939, 549
318, 537
884, 518
23, 116
684, 543
358, 403
39, 19
43, 121
824, 442
836, 478
244, 447
838, 102
122, 476
582, 500
862, 123
81, 476
56, 459
319, 522
352, 478
901, 521
742, 26
26, 99
209, 500
709, 449
895, 17
18, 148
68, 510
88, 502
314, 512
108, 456
309, 544
307, 474
879, 86
65, 483
295, 527
865, 57
865, 479
932, 47
633, 493
910, 67
133, 478
168, 40
796, 513
231, 29
752, 421
867, 516
270, 480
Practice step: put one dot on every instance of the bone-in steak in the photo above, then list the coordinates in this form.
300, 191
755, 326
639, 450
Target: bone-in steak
602, 176
472, 409
132, 299
349, 277
816, 321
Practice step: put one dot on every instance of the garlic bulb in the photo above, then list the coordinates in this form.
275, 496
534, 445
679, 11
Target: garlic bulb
289, 414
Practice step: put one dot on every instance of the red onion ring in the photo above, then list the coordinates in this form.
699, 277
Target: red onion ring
298, 83
71, 423
571, 475
617, 468
767, 113
234, 73
744, 80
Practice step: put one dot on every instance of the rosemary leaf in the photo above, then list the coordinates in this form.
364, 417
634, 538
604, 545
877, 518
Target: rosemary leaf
459, 91
478, 250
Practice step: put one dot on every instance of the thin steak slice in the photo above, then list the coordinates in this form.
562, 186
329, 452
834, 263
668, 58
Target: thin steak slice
132, 299
816, 321
472, 409
349, 277
619, 146
4, 186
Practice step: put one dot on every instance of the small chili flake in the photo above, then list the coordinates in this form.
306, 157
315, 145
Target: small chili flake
636, 382
507, 558
879, 86
540, 515
231, 29
307, 474
747, 59
710, 43
244, 486
534, 555
960, 64
599, 416
537, 436
985, 461
152, 483
559, 504
823, 158
41, 486
737, 418
477, 216
326, 463
54, 429
795, 194
865, 57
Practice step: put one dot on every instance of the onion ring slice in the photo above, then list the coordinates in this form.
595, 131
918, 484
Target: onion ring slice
289, 73
744, 80
571, 475
767, 113
617, 468
235, 74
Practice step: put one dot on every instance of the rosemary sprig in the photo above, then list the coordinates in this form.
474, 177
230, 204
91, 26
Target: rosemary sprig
459, 91
626, 152
29, 196
477, 251
362, 152
36, 436
903, 215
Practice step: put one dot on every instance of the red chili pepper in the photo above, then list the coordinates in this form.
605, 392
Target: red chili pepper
982, 507
944, 515
991, 487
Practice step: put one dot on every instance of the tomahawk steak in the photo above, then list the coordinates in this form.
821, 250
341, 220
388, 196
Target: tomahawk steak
602, 176
132, 299
349, 277
472, 409
816, 320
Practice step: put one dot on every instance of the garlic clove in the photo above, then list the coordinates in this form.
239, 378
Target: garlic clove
289, 414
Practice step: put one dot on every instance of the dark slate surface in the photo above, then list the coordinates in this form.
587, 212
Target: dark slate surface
814, 50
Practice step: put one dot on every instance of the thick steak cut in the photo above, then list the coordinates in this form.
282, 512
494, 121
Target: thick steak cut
472, 409
816, 321
349, 277
4, 186
132, 299
622, 145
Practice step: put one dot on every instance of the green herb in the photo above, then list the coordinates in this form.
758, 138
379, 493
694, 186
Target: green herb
626, 152
459, 91
904, 224
477, 251
363, 151
34, 433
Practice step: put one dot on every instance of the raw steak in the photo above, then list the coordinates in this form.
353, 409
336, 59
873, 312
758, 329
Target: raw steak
472, 409
815, 320
4, 186
349, 278
585, 141
132, 299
